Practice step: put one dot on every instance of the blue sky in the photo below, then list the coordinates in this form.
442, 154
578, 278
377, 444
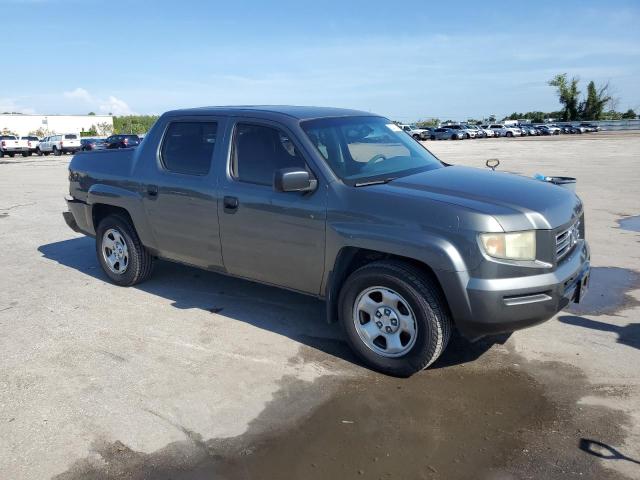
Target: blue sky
405, 60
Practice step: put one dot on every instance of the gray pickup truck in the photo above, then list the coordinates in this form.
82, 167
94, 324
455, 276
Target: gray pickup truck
342, 205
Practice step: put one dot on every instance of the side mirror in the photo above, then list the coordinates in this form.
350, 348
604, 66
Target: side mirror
294, 180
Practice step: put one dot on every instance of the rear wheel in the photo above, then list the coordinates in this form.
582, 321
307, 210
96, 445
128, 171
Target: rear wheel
11, 155
509, 134
395, 317
56, 152
25, 154
38, 152
121, 254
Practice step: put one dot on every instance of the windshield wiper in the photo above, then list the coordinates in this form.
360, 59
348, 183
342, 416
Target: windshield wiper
374, 182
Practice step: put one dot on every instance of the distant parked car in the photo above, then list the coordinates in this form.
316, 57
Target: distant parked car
59, 144
122, 141
32, 143
528, 130
549, 129
415, 132
467, 132
10, 145
487, 131
88, 144
591, 127
480, 133
505, 131
447, 133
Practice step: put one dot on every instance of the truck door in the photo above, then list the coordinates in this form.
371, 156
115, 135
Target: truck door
180, 193
270, 236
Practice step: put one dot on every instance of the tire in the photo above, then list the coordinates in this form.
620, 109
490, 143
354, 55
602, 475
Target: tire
11, 155
46, 154
509, 134
433, 137
416, 138
56, 152
25, 154
420, 298
138, 263
453, 137
38, 152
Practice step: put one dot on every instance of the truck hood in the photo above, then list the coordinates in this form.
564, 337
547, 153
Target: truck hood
516, 202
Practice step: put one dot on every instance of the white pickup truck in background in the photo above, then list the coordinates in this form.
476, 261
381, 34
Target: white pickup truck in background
10, 145
415, 132
32, 143
59, 144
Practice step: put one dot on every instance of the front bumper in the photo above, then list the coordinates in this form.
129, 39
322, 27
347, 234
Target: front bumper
483, 306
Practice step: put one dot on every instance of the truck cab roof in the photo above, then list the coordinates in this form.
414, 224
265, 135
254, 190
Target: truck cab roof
272, 111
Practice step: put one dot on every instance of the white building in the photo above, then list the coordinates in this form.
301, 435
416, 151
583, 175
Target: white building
52, 124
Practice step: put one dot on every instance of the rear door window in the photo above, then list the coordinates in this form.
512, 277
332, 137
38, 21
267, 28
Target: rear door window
188, 147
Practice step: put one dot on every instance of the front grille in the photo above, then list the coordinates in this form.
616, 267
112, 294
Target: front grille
566, 240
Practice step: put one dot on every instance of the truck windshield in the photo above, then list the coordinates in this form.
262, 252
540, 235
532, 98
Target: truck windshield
368, 149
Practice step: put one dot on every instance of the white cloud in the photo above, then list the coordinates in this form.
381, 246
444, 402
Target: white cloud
111, 104
13, 106
115, 105
79, 94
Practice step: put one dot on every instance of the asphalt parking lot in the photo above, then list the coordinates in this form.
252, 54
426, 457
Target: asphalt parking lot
193, 375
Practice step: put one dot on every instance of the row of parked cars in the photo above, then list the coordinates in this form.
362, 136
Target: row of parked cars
467, 131
12, 145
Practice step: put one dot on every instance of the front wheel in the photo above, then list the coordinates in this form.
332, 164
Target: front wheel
121, 254
395, 317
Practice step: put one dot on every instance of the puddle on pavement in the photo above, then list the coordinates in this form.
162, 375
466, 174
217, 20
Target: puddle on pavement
608, 292
463, 421
630, 223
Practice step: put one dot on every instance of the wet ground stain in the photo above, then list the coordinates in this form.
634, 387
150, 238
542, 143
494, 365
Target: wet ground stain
608, 293
460, 421
630, 223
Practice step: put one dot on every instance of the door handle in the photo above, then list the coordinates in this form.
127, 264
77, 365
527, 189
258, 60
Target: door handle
230, 204
152, 190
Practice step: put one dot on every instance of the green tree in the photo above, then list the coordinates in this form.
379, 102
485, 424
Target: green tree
612, 115
133, 123
629, 114
430, 122
91, 113
568, 94
597, 99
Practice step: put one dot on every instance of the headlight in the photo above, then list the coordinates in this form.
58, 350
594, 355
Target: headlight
511, 246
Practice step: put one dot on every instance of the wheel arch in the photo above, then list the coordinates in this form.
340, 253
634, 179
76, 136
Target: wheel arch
106, 199
350, 259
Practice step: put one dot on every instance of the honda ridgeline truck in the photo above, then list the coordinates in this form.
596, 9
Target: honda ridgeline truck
342, 205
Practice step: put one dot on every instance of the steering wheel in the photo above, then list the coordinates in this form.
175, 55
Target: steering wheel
375, 159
